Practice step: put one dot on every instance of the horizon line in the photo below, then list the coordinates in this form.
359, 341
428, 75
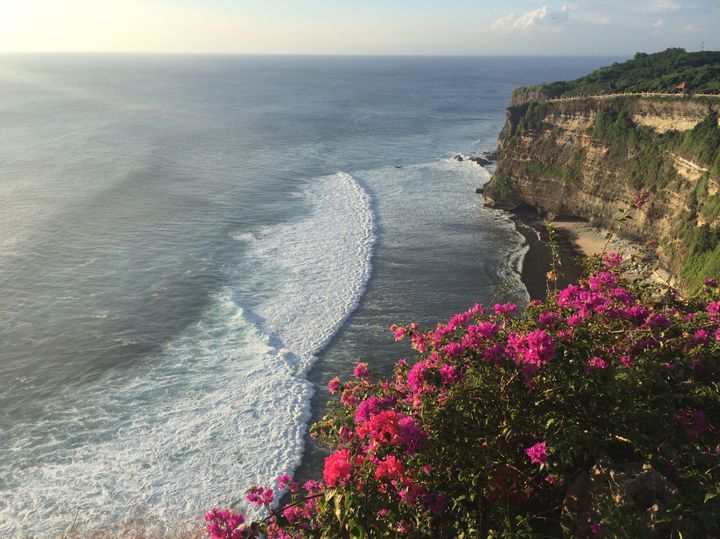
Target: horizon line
316, 54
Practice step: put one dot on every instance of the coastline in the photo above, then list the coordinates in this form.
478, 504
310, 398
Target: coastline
576, 239
538, 258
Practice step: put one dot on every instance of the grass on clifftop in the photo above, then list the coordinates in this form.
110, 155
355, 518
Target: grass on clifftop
659, 72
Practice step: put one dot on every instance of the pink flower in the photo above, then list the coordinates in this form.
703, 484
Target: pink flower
367, 408
410, 434
449, 374
286, 481
337, 468
597, 363
226, 525
658, 319
612, 260
415, 378
399, 333
640, 199
454, 349
532, 350
548, 319
626, 361
260, 496
537, 453
361, 370
334, 385
293, 514
595, 528
700, 337
390, 467
505, 309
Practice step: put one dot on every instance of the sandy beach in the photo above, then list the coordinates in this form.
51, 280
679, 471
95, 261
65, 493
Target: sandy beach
576, 239
587, 239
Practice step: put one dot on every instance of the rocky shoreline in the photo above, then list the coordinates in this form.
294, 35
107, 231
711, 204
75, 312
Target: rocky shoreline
531, 224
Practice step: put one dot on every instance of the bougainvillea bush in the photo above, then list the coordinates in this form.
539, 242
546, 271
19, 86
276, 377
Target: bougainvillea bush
593, 413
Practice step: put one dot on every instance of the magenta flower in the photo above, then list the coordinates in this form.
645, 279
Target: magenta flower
390, 467
597, 363
612, 260
640, 199
449, 374
532, 350
415, 378
367, 408
537, 453
454, 349
260, 496
226, 525
411, 435
361, 370
548, 319
505, 309
337, 468
334, 385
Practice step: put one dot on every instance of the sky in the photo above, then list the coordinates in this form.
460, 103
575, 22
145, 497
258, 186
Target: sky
466, 27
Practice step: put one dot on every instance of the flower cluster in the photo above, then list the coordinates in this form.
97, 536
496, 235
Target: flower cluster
503, 409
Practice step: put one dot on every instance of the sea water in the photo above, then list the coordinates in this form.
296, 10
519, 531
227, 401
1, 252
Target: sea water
182, 237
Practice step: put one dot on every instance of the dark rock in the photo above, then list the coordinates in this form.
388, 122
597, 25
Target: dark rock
479, 191
480, 160
459, 157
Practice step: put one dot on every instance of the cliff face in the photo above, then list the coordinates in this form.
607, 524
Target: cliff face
589, 157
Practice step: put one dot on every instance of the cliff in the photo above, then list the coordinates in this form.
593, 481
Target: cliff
588, 157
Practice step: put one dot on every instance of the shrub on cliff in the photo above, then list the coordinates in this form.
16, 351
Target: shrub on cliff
594, 413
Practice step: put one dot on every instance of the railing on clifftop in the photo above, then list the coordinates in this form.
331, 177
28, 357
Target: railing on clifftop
625, 94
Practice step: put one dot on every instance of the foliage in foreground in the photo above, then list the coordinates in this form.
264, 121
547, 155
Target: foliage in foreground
594, 413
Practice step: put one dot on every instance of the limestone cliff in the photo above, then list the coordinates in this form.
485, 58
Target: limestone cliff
588, 157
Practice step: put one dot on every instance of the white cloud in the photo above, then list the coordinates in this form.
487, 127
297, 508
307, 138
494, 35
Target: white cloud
541, 19
658, 24
663, 5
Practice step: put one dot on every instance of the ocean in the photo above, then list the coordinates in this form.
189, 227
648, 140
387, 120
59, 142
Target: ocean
191, 246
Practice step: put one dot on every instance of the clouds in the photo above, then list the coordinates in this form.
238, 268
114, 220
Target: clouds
663, 6
542, 19
616, 27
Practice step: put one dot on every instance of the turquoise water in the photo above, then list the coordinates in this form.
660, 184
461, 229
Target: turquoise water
182, 236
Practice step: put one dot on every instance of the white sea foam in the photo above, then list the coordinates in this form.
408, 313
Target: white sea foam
221, 407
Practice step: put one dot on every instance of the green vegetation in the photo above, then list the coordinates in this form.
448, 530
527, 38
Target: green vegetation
646, 156
567, 173
501, 184
641, 151
659, 72
702, 143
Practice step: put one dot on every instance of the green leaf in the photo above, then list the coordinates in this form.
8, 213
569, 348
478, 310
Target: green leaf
339, 507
